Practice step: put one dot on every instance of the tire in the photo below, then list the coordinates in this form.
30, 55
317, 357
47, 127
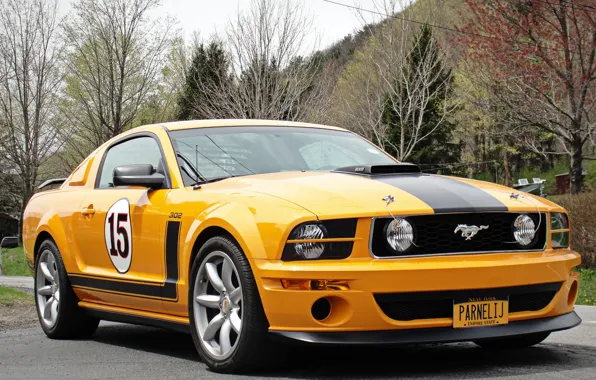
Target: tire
55, 302
515, 342
223, 305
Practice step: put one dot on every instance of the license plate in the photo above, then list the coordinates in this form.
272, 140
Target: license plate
480, 312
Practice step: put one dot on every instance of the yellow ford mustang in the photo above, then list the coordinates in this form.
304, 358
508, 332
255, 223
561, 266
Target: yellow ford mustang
248, 233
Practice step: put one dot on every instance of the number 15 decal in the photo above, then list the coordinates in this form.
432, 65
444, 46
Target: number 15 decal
118, 235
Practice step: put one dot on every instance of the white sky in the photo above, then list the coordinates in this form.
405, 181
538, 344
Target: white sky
332, 22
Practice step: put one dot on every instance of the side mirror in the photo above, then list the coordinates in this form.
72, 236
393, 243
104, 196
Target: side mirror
138, 175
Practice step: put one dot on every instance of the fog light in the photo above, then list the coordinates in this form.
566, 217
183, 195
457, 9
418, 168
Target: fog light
292, 284
321, 309
400, 234
524, 230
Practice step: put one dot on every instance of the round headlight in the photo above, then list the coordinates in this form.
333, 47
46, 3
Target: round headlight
309, 250
400, 234
524, 230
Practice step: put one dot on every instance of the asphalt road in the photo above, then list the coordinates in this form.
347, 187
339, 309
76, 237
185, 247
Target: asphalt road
128, 352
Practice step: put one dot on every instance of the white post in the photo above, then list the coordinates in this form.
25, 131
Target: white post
1, 245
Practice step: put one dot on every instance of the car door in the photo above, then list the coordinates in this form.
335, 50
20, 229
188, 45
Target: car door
121, 232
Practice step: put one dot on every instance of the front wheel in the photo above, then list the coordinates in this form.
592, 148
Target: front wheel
514, 342
228, 324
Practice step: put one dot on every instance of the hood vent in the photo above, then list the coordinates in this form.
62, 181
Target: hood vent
400, 168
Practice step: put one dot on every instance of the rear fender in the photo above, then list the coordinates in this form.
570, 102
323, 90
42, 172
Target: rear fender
51, 223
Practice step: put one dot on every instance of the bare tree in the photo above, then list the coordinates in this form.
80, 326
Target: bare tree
382, 79
537, 59
29, 81
115, 55
274, 74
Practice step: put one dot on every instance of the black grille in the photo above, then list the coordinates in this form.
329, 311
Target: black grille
430, 305
435, 234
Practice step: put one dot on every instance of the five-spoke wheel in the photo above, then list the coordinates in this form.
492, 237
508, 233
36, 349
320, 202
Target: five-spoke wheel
57, 305
218, 304
48, 288
228, 323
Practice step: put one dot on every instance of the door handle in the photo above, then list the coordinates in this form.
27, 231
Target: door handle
87, 211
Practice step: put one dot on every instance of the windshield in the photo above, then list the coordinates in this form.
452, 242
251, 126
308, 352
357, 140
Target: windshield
206, 154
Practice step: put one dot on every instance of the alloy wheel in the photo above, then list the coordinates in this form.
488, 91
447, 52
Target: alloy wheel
217, 305
48, 288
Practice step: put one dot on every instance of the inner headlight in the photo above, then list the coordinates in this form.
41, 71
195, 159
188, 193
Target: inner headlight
400, 234
524, 230
309, 250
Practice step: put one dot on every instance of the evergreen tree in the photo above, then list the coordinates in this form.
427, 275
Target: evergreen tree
208, 70
439, 147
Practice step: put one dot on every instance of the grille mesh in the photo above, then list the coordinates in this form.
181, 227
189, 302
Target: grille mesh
434, 234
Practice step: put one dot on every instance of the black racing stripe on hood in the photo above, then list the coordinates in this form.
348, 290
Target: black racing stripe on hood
443, 194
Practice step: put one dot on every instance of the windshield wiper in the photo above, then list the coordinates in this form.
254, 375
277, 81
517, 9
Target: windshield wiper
197, 175
199, 179
210, 180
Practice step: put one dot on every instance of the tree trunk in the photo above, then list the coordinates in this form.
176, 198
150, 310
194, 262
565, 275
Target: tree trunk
575, 174
506, 170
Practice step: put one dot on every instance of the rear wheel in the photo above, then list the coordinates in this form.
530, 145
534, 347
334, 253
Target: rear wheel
57, 306
228, 324
521, 341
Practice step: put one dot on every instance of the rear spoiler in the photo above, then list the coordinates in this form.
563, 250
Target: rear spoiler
49, 182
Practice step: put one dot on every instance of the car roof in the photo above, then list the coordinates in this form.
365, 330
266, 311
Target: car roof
180, 125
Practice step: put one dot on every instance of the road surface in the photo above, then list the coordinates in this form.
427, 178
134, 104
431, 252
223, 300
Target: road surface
127, 352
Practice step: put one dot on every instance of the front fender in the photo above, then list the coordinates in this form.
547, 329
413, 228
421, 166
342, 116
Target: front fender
259, 226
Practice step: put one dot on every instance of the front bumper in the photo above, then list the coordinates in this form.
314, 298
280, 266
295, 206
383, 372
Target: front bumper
356, 309
433, 335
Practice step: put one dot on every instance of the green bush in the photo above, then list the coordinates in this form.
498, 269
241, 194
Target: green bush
582, 213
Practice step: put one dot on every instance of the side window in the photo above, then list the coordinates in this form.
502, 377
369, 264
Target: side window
141, 150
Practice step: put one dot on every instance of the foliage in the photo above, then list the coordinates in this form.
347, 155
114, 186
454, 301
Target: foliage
582, 215
114, 58
208, 69
434, 140
8, 296
14, 262
538, 62
30, 78
587, 287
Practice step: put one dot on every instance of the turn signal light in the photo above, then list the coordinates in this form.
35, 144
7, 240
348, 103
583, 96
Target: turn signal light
315, 284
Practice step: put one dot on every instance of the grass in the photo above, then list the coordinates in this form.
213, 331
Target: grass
587, 287
8, 296
14, 262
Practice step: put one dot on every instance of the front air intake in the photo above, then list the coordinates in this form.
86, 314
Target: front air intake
379, 169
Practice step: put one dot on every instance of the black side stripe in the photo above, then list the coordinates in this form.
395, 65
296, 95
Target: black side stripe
167, 291
445, 195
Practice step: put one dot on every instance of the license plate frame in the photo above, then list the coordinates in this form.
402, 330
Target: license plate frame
492, 311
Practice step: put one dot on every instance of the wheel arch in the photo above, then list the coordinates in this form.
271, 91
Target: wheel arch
204, 236
232, 220
50, 227
41, 237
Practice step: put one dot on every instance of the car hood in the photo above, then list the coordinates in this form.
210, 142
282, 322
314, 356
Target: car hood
329, 194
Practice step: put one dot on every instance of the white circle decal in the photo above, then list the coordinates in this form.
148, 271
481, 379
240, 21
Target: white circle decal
118, 235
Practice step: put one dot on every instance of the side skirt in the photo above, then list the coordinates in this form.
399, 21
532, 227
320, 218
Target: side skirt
125, 316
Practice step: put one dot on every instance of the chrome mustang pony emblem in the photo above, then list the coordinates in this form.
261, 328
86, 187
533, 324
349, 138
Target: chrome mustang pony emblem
468, 232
